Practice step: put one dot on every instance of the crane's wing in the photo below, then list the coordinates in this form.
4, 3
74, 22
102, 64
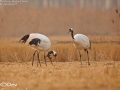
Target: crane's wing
35, 42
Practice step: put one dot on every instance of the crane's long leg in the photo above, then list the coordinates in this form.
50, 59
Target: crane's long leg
38, 58
45, 59
80, 57
87, 56
33, 57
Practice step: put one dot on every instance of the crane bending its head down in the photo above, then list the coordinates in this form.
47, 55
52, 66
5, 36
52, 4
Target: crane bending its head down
81, 42
40, 43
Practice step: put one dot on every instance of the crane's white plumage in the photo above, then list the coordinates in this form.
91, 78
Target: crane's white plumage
81, 42
44, 44
39, 42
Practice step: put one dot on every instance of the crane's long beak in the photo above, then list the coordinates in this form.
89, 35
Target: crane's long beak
68, 32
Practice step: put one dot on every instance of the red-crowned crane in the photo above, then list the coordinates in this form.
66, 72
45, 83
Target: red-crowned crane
40, 43
81, 42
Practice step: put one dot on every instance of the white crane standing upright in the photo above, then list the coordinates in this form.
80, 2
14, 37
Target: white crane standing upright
40, 43
81, 42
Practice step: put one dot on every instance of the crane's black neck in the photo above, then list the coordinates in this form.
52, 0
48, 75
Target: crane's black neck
72, 34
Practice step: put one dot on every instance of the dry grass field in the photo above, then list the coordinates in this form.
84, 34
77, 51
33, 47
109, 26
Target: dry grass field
66, 73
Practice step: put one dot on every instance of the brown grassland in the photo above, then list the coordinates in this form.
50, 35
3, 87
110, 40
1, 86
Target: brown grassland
66, 73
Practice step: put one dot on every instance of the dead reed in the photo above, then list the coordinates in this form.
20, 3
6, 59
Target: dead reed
101, 50
20, 20
116, 22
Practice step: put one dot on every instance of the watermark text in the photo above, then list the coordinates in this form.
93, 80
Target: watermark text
11, 2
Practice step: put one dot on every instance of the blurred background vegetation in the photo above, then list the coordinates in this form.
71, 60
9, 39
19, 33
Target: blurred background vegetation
55, 17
